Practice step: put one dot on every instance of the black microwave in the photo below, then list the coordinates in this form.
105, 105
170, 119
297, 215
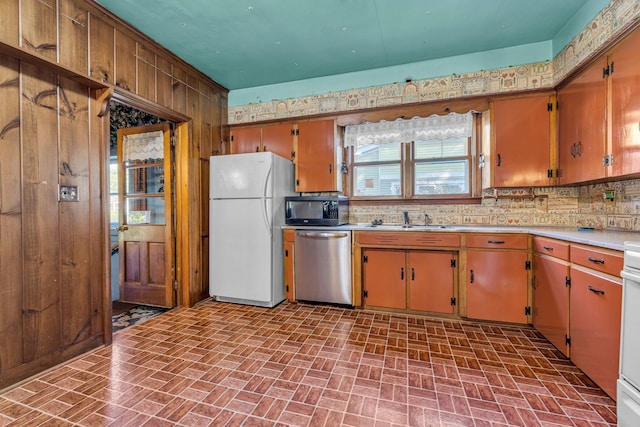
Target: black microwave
316, 210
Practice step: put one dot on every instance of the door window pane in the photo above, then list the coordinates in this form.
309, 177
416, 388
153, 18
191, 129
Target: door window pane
144, 210
144, 179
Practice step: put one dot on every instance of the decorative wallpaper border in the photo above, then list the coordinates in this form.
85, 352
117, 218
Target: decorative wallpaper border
607, 24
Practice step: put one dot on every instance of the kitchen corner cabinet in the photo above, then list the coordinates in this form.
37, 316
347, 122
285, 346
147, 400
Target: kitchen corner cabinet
582, 126
522, 139
318, 156
498, 269
551, 289
276, 138
289, 277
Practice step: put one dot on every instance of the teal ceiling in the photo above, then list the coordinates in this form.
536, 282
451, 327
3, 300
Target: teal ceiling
249, 43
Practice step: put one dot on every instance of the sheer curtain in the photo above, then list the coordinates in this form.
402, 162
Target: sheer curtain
453, 125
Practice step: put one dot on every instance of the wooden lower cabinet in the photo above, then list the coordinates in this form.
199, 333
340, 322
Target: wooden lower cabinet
596, 302
497, 285
410, 279
289, 280
431, 280
385, 278
551, 300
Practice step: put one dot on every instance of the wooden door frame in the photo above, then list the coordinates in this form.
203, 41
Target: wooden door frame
181, 195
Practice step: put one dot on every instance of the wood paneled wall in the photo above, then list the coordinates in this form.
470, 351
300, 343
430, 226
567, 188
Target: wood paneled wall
54, 293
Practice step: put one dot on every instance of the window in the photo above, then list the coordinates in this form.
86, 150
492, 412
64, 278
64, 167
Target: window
384, 165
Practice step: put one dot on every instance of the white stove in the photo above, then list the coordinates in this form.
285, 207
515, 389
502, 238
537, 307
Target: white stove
628, 387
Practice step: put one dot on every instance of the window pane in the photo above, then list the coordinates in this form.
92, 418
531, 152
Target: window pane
378, 153
377, 180
439, 148
144, 179
434, 178
144, 210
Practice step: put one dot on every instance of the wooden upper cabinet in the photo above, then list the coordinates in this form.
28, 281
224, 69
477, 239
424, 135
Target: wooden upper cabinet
582, 126
317, 157
277, 139
624, 66
521, 141
245, 140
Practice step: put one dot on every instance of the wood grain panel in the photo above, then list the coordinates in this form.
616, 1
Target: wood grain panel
146, 72
125, 61
74, 36
39, 26
164, 91
179, 89
101, 50
9, 32
74, 222
41, 239
10, 217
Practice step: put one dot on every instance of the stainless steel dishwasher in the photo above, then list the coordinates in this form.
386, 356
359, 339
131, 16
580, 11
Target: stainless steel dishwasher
323, 266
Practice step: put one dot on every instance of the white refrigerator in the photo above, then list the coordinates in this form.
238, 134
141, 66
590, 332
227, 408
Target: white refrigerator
246, 205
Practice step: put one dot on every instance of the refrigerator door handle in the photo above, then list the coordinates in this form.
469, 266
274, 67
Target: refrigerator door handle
265, 215
267, 181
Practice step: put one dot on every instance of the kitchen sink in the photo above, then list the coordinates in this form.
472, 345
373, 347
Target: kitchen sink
409, 227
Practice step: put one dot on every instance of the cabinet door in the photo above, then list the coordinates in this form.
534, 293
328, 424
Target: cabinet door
385, 278
315, 167
522, 141
278, 139
431, 278
497, 286
625, 106
245, 140
596, 303
551, 300
288, 271
582, 126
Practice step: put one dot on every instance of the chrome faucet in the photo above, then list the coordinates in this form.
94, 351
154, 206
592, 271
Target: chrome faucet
406, 217
427, 220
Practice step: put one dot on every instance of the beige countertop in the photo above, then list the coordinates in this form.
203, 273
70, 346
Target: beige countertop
611, 239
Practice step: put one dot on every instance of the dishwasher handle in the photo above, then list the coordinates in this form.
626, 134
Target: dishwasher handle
325, 235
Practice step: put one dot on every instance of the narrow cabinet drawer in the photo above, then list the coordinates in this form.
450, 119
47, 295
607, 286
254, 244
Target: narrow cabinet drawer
609, 262
420, 239
498, 241
551, 247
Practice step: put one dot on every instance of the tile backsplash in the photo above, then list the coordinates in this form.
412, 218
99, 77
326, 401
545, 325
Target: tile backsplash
581, 206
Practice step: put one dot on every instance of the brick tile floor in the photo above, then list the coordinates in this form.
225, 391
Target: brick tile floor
310, 365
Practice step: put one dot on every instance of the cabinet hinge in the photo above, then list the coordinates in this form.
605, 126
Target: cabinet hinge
365, 293
606, 72
550, 106
453, 301
175, 285
527, 265
297, 132
567, 340
567, 281
453, 263
611, 68
527, 311
286, 288
297, 182
286, 252
365, 259
607, 160
173, 141
549, 173
293, 154
293, 132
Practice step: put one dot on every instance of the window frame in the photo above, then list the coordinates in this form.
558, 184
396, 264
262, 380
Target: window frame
408, 172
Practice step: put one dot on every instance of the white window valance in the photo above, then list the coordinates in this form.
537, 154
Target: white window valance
453, 125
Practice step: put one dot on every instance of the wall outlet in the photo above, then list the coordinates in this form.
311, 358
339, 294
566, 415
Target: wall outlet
68, 193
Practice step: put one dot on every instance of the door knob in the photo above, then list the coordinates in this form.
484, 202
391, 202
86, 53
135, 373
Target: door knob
121, 228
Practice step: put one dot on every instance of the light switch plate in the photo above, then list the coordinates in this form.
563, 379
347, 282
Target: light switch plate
68, 193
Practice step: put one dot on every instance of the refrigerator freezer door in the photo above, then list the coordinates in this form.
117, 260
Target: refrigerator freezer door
241, 251
241, 176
